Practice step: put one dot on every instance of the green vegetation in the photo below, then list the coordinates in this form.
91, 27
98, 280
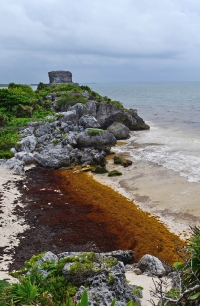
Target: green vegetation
53, 288
94, 132
68, 99
187, 289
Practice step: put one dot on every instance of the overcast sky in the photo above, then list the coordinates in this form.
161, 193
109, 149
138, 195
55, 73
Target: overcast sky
100, 41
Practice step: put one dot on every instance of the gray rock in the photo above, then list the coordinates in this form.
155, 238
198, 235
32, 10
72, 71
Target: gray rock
35, 124
16, 165
13, 150
44, 139
80, 110
43, 130
25, 157
123, 256
28, 144
27, 132
70, 139
105, 286
69, 116
107, 114
88, 122
92, 157
49, 256
119, 130
152, 264
55, 158
98, 139
66, 270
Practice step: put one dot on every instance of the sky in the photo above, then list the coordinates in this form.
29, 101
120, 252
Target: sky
100, 41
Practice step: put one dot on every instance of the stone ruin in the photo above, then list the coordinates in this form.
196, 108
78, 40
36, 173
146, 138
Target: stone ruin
60, 77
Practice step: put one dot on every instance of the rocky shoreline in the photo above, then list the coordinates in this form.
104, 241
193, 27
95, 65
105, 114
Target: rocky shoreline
64, 208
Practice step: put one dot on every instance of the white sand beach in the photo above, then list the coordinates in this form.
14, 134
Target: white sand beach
10, 224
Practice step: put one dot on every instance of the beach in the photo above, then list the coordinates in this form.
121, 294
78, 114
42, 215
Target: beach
156, 190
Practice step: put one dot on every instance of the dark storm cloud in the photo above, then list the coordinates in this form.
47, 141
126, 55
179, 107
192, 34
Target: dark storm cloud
99, 41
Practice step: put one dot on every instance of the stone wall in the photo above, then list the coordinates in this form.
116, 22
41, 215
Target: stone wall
60, 77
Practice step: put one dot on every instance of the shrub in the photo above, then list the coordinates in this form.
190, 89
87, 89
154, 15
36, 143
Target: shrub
68, 99
3, 119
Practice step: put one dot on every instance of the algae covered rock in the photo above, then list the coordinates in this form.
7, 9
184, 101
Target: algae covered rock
99, 170
114, 173
122, 161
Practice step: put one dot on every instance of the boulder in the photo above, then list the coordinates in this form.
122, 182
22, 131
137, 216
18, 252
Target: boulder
126, 162
152, 264
28, 144
93, 157
96, 138
88, 122
118, 160
119, 130
43, 130
16, 165
69, 116
56, 157
25, 157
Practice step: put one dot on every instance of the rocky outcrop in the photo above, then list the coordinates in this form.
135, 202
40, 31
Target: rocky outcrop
59, 77
107, 114
104, 279
83, 134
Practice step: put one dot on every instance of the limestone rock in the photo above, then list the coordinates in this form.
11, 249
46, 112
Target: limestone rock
55, 158
88, 122
124, 256
103, 290
119, 130
97, 138
28, 144
152, 264
16, 165
25, 157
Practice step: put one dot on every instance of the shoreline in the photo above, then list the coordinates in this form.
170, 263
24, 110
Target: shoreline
159, 191
88, 224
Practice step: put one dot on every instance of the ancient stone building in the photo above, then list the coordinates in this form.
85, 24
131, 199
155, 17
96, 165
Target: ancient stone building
60, 77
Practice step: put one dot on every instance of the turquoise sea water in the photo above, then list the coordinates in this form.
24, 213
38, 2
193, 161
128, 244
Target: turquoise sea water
173, 112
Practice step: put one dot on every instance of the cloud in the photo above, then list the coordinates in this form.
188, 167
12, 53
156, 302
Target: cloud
98, 36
